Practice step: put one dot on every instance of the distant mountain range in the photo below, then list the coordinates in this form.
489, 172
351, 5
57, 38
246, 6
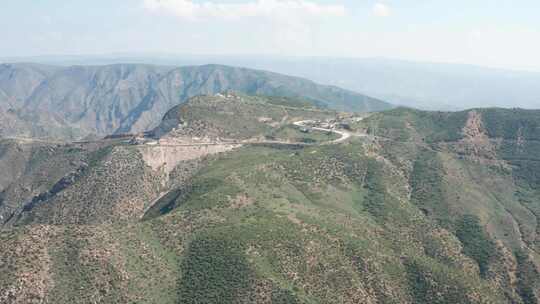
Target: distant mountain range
80, 101
429, 86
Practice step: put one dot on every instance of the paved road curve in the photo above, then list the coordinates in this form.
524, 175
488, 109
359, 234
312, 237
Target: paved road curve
344, 134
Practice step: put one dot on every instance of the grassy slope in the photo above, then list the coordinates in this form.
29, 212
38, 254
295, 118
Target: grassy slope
488, 199
402, 221
239, 116
112, 182
309, 226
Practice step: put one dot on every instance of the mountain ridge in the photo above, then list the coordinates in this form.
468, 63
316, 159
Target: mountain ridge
83, 101
251, 199
425, 85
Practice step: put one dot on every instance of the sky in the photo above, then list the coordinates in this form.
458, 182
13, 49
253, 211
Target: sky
495, 33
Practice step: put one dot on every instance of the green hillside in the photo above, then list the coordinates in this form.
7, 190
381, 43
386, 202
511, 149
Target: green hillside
426, 208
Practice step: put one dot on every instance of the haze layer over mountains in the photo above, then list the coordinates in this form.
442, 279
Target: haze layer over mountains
429, 86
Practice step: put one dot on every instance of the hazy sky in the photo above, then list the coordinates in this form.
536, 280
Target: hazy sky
503, 33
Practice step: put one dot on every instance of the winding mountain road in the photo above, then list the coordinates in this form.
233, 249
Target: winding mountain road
344, 134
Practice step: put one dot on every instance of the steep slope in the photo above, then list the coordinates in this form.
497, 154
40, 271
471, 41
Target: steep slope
32, 171
415, 207
18, 82
498, 145
96, 182
78, 101
475, 167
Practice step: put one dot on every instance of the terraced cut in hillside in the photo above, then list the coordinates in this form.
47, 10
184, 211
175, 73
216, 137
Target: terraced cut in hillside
412, 207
